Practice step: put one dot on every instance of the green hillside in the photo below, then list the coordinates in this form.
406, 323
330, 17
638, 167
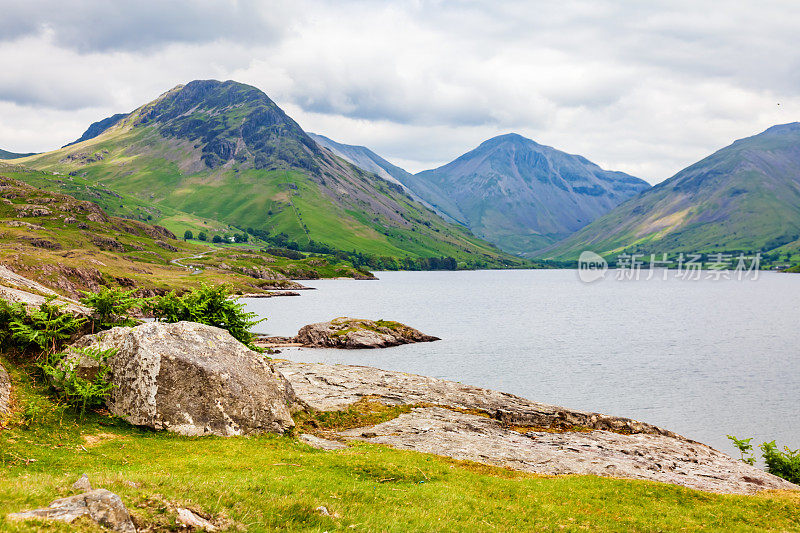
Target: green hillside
226, 152
71, 245
742, 198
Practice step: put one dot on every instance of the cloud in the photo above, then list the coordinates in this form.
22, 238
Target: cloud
646, 88
90, 26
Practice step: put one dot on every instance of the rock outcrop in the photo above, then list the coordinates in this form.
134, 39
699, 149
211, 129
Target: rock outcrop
470, 423
5, 393
344, 332
19, 289
192, 379
102, 506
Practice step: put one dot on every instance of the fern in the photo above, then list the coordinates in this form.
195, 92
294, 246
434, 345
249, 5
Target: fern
46, 328
111, 307
63, 370
210, 305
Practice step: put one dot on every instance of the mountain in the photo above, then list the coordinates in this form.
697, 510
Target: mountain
522, 195
744, 197
364, 158
11, 155
225, 151
97, 128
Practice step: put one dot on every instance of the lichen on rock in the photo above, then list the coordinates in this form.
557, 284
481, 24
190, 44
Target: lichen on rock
353, 333
192, 379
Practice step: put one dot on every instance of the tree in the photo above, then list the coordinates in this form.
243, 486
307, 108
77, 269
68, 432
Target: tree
202, 236
216, 239
188, 235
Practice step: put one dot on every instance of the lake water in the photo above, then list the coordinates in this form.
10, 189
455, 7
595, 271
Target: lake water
701, 358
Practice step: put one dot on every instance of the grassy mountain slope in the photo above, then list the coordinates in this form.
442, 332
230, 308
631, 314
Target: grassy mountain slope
522, 195
226, 152
744, 197
70, 245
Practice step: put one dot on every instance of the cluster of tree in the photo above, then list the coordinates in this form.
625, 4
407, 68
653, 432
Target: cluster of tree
203, 236
284, 247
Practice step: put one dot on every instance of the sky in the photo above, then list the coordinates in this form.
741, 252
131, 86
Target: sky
642, 87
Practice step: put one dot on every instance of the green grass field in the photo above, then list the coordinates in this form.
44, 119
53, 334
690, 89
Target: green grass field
276, 483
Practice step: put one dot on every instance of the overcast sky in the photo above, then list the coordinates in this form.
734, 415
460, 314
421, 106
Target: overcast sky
643, 87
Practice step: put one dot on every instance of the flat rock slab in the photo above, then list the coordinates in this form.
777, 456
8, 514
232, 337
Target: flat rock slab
102, 506
470, 423
334, 387
5, 393
320, 443
19, 289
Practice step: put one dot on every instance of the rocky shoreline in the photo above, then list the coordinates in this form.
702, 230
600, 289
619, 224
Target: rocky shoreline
496, 428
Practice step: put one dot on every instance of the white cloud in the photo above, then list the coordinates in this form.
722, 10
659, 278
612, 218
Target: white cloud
646, 88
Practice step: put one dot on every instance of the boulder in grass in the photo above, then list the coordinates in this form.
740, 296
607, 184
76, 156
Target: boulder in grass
102, 506
192, 379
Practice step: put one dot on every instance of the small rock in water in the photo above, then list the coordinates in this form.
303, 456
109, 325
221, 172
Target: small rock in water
190, 519
82, 484
102, 506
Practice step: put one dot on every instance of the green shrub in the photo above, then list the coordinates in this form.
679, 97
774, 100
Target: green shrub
46, 328
210, 305
10, 313
784, 464
80, 391
188, 235
745, 449
111, 307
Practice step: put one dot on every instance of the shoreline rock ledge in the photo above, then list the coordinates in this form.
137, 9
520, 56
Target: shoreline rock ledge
191, 379
497, 428
358, 333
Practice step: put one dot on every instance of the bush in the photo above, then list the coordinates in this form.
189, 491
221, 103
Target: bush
9, 313
46, 328
62, 369
210, 305
111, 307
784, 464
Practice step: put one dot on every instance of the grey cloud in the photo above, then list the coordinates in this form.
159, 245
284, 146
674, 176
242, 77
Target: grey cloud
102, 25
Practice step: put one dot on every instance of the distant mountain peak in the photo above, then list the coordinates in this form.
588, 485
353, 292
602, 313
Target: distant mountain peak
520, 194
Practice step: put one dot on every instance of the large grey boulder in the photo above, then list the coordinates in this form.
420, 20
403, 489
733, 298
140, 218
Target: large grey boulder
102, 506
353, 333
5, 393
192, 379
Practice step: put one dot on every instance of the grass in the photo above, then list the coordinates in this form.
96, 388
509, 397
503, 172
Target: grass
276, 483
70, 245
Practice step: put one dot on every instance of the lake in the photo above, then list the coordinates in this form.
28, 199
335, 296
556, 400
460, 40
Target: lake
701, 358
